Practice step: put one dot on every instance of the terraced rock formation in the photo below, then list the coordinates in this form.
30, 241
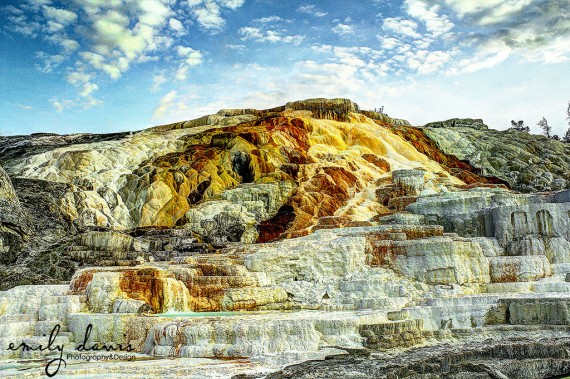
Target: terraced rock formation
245, 241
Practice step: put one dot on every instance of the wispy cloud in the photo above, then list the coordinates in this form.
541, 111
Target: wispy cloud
165, 103
312, 10
158, 80
268, 35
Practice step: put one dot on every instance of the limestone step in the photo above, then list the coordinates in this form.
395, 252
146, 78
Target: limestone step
545, 287
463, 301
231, 281
517, 287
16, 325
60, 307
375, 303
45, 327
519, 268
560, 268
16, 318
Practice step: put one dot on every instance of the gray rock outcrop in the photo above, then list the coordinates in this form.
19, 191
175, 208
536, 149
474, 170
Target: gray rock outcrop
14, 223
476, 123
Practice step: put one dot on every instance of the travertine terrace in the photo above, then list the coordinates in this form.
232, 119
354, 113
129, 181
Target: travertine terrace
252, 242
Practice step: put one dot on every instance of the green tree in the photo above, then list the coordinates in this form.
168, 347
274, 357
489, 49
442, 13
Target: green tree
546, 129
519, 126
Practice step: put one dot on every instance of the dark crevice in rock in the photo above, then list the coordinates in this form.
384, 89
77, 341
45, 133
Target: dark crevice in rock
272, 229
241, 164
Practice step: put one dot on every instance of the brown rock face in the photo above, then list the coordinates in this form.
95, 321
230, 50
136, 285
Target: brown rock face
272, 229
321, 195
377, 161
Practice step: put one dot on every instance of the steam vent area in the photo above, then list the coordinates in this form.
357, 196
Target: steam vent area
256, 243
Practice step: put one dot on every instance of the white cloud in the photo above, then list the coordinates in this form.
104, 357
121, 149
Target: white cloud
97, 61
158, 80
492, 10
537, 30
237, 47
388, 43
267, 20
19, 23
401, 26
13, 10
154, 12
437, 24
24, 107
190, 58
90, 102
273, 36
482, 60
343, 29
322, 48
67, 44
312, 10
209, 16
165, 104
54, 27
88, 88
427, 62
557, 51
49, 61
62, 16
78, 77
182, 73
208, 12
61, 105
232, 4
177, 26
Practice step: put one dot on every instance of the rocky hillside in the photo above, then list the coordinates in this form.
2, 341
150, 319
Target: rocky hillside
236, 176
527, 162
317, 228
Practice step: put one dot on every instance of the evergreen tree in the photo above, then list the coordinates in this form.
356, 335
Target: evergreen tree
519, 126
566, 137
546, 129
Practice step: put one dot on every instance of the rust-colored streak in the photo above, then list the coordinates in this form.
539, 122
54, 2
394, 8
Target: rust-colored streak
79, 284
144, 284
272, 229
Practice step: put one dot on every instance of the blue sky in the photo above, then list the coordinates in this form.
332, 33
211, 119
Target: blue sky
113, 65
